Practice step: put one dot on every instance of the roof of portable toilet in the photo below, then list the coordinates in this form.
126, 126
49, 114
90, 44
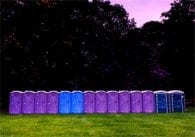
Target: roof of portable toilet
97, 91
74, 91
109, 91
160, 91
144, 91
41, 91
88, 91
16, 91
176, 91
66, 91
53, 91
29, 91
133, 91
121, 91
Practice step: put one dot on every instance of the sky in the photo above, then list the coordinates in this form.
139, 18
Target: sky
144, 10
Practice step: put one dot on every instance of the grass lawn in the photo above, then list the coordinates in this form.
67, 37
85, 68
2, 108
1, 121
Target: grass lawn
108, 125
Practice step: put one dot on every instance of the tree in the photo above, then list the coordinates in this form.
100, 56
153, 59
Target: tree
55, 44
178, 55
153, 39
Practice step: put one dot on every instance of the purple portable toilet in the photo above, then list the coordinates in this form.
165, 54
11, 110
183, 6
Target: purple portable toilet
40, 102
28, 102
52, 102
89, 102
148, 100
101, 101
112, 99
136, 101
15, 105
124, 101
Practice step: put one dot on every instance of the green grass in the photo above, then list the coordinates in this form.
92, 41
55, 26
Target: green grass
108, 125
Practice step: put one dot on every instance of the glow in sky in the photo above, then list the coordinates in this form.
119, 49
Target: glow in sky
144, 10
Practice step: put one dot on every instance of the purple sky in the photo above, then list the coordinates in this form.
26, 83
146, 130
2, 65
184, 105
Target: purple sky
144, 10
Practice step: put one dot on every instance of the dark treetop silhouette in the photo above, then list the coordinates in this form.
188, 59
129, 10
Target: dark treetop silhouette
81, 45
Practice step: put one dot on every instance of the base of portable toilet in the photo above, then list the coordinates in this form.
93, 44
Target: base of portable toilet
176, 101
28, 102
15, 103
161, 101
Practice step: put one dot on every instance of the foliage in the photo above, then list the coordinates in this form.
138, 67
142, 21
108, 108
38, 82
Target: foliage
178, 55
72, 42
51, 44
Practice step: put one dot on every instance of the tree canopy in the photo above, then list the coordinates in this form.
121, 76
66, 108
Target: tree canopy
80, 45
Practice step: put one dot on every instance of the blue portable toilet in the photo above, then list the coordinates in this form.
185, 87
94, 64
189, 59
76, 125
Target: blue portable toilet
77, 101
64, 102
161, 103
176, 101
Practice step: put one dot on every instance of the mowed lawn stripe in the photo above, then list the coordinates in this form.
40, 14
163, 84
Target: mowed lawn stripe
97, 125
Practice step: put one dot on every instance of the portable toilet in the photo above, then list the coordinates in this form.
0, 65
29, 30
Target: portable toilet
77, 102
148, 100
112, 101
15, 105
176, 101
64, 102
161, 100
101, 101
40, 102
124, 101
28, 102
136, 101
89, 102
52, 102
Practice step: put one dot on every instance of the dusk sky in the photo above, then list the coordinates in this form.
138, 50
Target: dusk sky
144, 10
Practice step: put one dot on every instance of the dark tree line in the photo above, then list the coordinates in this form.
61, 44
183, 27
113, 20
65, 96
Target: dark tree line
80, 45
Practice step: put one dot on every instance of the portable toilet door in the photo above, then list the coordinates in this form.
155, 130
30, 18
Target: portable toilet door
112, 100
161, 100
177, 101
124, 101
89, 102
40, 102
15, 105
101, 101
52, 102
136, 101
28, 102
64, 102
148, 100
77, 102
